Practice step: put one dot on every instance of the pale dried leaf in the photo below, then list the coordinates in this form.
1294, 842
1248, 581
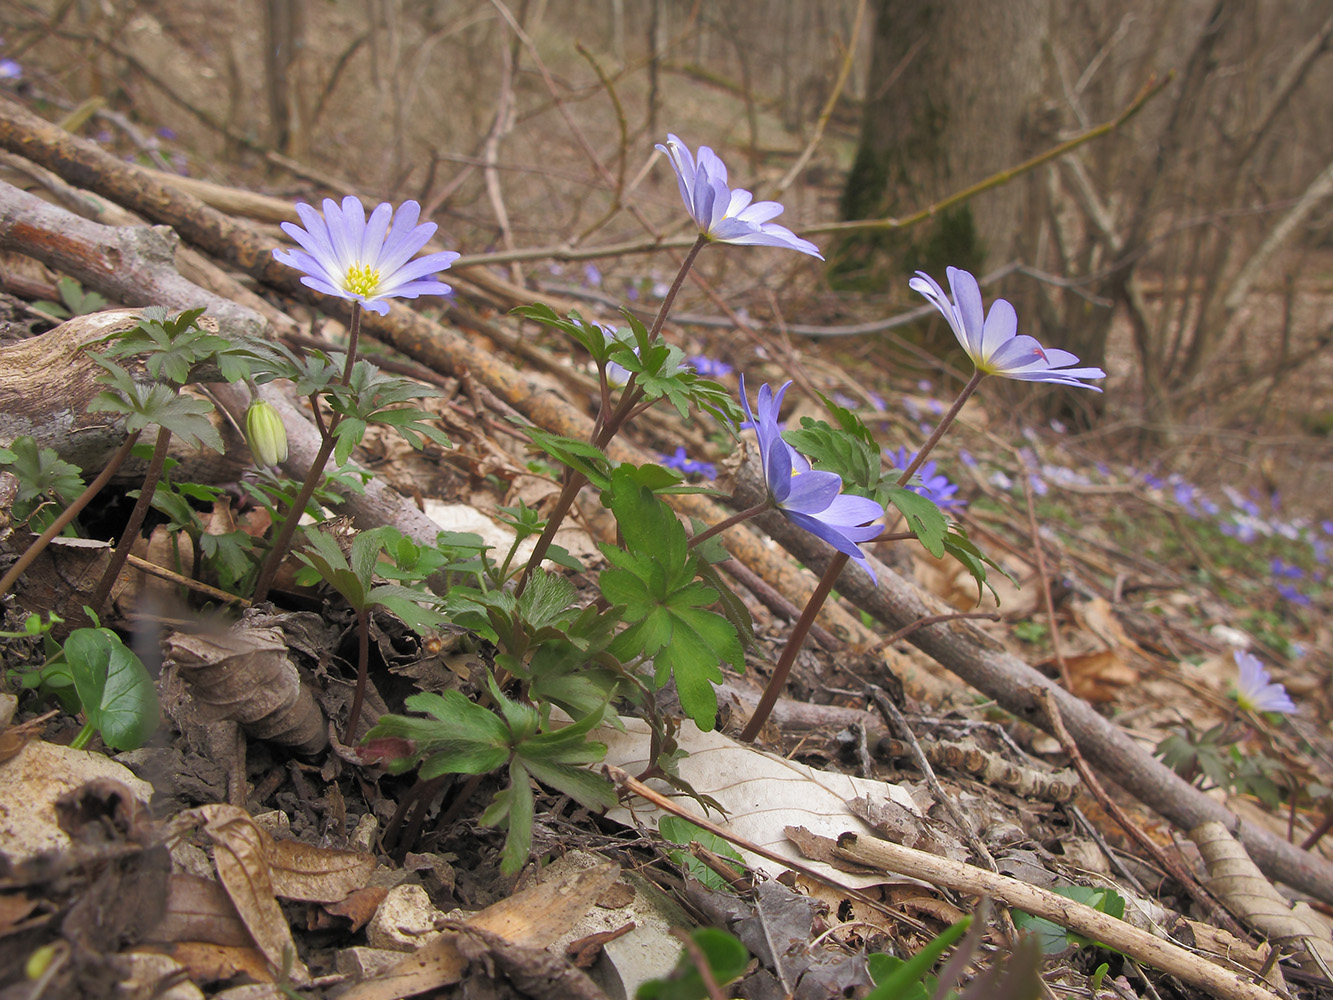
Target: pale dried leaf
1240, 884
761, 794
199, 909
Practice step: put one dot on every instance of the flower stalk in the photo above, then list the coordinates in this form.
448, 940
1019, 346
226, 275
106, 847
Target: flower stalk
287, 530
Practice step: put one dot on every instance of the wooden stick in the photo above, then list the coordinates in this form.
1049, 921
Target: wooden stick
1212, 979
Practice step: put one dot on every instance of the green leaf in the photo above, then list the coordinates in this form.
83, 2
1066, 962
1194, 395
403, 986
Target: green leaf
1054, 938
117, 694
322, 552
407, 603
582, 457
923, 517
958, 545
460, 736
679, 831
40, 472
514, 804
911, 972
185, 416
848, 450
727, 960
170, 348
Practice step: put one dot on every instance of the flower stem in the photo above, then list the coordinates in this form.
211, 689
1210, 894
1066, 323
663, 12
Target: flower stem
70, 513
801, 629
941, 427
667, 302
721, 526
283, 540
137, 515
605, 430
795, 641
362, 670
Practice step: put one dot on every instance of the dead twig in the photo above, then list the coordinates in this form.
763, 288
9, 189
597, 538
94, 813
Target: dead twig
1169, 864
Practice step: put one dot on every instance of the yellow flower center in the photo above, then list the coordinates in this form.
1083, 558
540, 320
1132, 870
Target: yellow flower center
362, 280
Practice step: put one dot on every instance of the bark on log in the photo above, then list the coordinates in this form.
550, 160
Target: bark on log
958, 646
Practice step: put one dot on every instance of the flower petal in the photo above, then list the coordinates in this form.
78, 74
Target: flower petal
812, 492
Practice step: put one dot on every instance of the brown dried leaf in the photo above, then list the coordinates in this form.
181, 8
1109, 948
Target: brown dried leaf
15, 738
199, 909
1098, 677
532, 918
211, 963
245, 674
241, 854
356, 909
316, 874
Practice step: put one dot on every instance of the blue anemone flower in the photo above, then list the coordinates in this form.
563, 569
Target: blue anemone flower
346, 255
724, 215
810, 499
991, 339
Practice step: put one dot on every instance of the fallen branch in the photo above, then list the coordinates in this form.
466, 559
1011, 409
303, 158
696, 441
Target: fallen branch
1161, 954
983, 663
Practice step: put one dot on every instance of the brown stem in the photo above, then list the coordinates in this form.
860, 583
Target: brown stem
362, 672
794, 643
670, 299
573, 483
283, 540
137, 515
802, 627
70, 513
721, 526
604, 432
941, 427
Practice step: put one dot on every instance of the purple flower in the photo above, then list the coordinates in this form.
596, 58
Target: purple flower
928, 481
1285, 570
683, 463
724, 215
808, 498
709, 367
1256, 691
366, 261
1290, 593
591, 275
10, 70
992, 340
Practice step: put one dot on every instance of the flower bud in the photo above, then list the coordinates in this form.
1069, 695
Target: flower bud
265, 433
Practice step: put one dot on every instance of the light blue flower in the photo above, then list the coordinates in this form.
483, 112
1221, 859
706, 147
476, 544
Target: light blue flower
808, 498
346, 255
991, 339
724, 215
1256, 691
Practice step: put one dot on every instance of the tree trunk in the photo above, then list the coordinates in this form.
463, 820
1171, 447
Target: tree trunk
951, 88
